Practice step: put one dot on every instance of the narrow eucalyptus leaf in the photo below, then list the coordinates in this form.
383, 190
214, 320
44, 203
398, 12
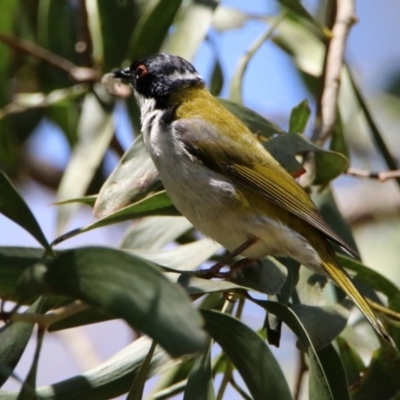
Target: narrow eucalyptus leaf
235, 89
108, 380
130, 288
195, 285
246, 350
95, 130
14, 338
217, 79
319, 388
323, 324
264, 276
381, 379
117, 21
297, 8
136, 390
87, 200
154, 232
13, 206
200, 383
299, 117
184, 257
226, 18
285, 148
85, 317
352, 362
134, 177
13, 262
152, 28
28, 389
156, 204
191, 28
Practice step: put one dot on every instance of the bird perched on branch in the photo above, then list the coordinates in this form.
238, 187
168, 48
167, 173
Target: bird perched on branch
221, 178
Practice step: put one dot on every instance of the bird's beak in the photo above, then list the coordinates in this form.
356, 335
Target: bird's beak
123, 74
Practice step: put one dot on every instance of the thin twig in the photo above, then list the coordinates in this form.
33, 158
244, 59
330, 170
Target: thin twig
235, 385
79, 74
345, 18
225, 379
51, 317
376, 134
381, 176
302, 369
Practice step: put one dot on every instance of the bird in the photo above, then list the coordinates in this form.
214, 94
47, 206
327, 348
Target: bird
224, 181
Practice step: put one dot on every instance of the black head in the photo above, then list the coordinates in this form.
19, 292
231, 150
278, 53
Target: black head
159, 75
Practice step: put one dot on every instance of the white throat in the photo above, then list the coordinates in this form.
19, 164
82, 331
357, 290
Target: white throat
147, 105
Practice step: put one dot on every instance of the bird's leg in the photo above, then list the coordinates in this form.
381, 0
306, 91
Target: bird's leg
214, 271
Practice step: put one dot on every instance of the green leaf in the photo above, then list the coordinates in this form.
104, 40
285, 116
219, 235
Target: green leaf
307, 51
191, 28
108, 380
184, 257
14, 338
86, 317
87, 200
285, 148
152, 28
250, 355
13, 206
13, 262
95, 130
235, 89
297, 8
130, 288
254, 121
117, 22
299, 117
217, 79
28, 389
334, 372
154, 232
351, 360
195, 285
27, 101
136, 391
338, 141
156, 204
381, 379
319, 388
323, 324
265, 276
228, 18
200, 383
133, 178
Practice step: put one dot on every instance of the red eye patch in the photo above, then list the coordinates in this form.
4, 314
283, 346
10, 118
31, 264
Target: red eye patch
141, 71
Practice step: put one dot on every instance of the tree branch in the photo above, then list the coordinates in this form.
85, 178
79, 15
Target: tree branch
79, 74
345, 18
381, 176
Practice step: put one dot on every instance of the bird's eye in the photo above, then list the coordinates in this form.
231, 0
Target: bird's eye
141, 71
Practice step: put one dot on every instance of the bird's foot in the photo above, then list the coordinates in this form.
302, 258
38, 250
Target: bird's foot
215, 270
234, 270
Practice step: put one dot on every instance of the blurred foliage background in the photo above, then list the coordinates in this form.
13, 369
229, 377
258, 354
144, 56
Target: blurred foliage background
53, 54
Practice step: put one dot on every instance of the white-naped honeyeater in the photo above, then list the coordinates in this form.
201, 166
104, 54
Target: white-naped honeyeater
221, 178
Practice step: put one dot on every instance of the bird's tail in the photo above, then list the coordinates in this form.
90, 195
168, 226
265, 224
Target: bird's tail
342, 279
